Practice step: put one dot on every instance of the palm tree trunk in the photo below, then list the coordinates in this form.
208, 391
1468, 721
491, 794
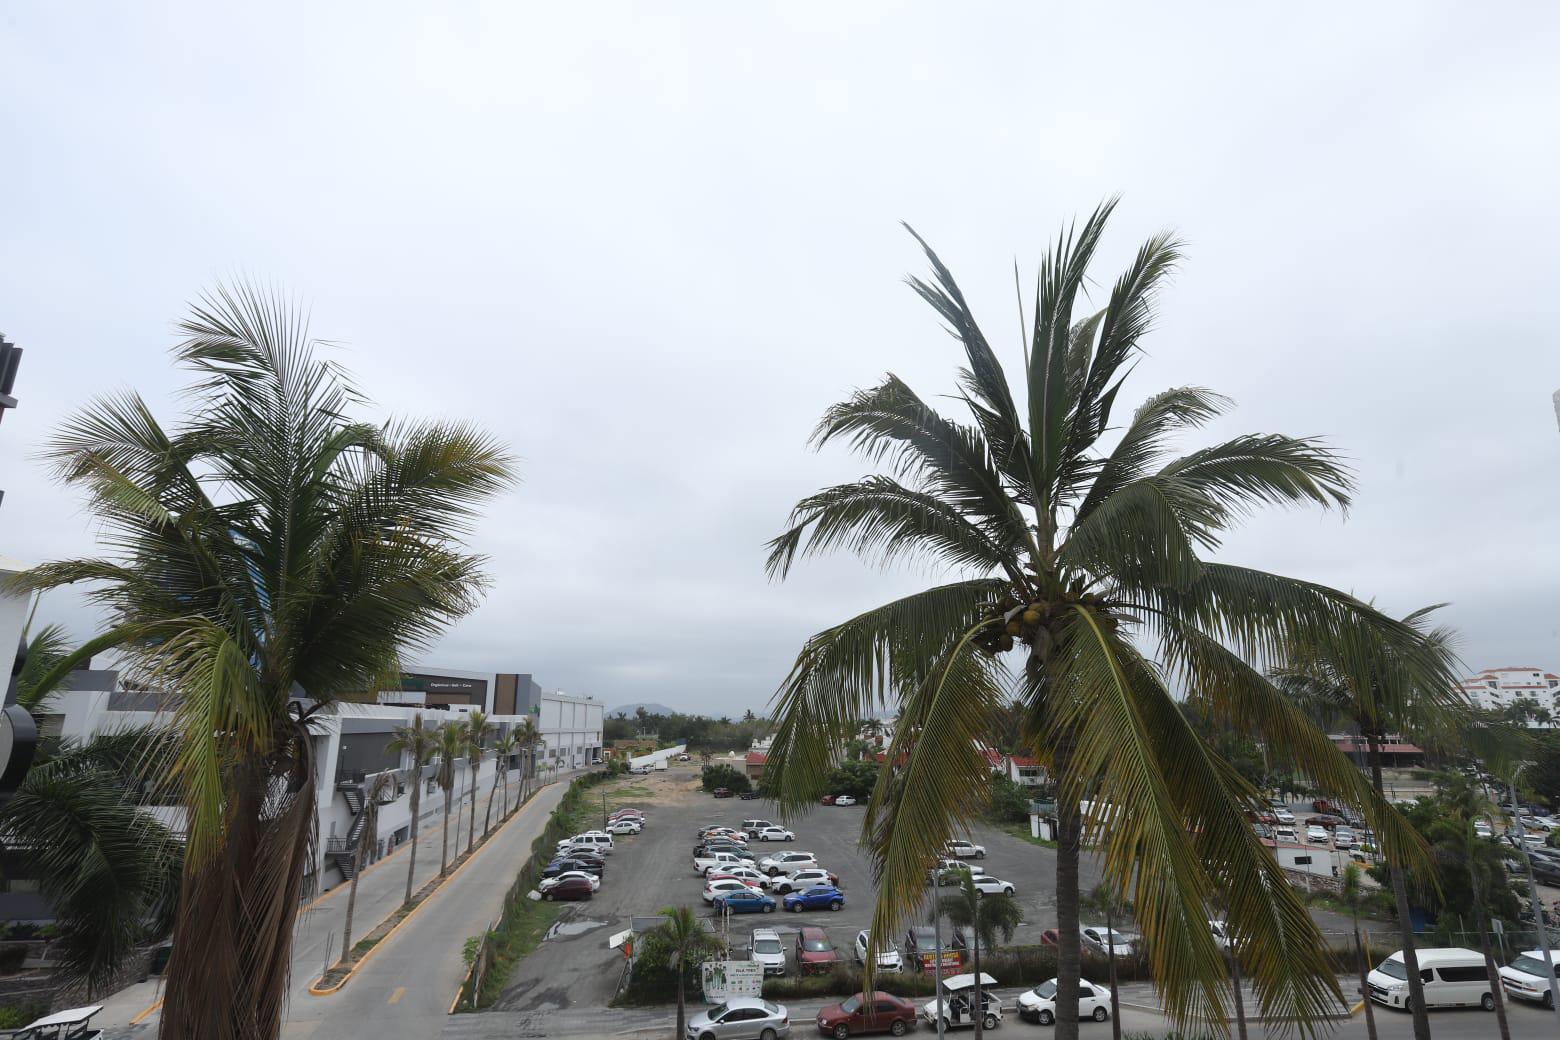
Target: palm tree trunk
1240, 998
411, 866
1359, 956
471, 832
444, 858
1069, 832
487, 817
1416, 989
1489, 957
681, 1001
346, 925
1115, 1002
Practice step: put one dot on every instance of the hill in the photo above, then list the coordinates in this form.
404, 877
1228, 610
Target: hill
630, 710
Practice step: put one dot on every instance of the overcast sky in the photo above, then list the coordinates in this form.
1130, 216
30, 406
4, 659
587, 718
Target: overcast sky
647, 245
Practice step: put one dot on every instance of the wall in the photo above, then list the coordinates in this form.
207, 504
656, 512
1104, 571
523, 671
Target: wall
657, 757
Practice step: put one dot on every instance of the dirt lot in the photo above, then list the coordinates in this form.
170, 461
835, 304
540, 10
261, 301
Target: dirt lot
574, 968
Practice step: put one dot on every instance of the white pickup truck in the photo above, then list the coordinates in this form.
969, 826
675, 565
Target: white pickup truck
703, 864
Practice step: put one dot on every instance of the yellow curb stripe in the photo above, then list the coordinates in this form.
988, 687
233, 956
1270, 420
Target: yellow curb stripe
396, 995
1356, 1009
315, 990
146, 1012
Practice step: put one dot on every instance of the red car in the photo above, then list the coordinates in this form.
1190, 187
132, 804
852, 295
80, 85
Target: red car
884, 1013
1049, 937
1321, 805
815, 954
827, 799
571, 888
722, 792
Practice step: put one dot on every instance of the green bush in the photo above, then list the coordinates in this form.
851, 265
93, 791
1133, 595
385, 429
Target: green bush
15, 1016
725, 776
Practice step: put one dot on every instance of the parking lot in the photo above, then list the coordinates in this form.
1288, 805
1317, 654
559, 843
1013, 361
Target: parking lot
573, 967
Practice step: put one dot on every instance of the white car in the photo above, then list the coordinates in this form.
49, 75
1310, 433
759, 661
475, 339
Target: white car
1524, 978
1039, 1004
786, 862
960, 849
798, 881
683, 757
1284, 816
720, 888
1095, 938
767, 949
887, 959
1282, 833
844, 799
1316, 834
742, 873
776, 834
600, 839
1221, 935
625, 825
991, 886
1343, 838
548, 882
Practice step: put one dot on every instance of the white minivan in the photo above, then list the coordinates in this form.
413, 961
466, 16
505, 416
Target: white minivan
1452, 978
1524, 978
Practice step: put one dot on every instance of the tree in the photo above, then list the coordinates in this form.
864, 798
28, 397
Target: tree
420, 745
722, 775
1110, 903
1464, 804
503, 750
686, 943
267, 545
477, 728
452, 744
1352, 893
1383, 688
527, 736
984, 916
1078, 555
379, 791
45, 651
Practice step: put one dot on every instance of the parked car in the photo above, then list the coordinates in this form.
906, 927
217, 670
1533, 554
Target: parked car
844, 799
1321, 805
766, 948
1284, 816
722, 792
951, 871
879, 1013
573, 888
1324, 820
800, 879
743, 873
744, 900
712, 860
888, 959
1316, 834
752, 827
827, 799
960, 849
1451, 978
625, 825
786, 862
600, 839
991, 886
1221, 935
713, 829
721, 886
955, 1005
1101, 940
749, 795
683, 757
776, 834
1050, 937
1282, 833
1343, 838
1526, 978
709, 848
818, 897
1039, 1004
569, 875
815, 954
563, 866
741, 1018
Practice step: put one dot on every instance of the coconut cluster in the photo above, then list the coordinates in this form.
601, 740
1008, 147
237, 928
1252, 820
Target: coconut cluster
1031, 623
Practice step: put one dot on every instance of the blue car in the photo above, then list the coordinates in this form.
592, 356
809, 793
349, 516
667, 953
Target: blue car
746, 901
819, 897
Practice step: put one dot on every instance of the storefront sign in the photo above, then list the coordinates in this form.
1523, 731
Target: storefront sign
726, 979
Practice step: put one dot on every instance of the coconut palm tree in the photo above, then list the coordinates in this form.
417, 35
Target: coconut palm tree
686, 943
1464, 804
45, 650
477, 729
1090, 560
1352, 893
985, 916
452, 744
380, 790
419, 744
265, 556
503, 747
1379, 689
527, 736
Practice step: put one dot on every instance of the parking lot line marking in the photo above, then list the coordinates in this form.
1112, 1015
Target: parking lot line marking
396, 994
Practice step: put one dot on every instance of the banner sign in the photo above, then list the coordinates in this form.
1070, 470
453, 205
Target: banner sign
726, 979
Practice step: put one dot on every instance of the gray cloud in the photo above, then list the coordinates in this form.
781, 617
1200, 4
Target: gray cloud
647, 246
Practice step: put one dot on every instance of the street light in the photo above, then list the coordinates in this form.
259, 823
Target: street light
1538, 908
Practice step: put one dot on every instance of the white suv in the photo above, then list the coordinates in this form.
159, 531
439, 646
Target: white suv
786, 862
600, 839
766, 948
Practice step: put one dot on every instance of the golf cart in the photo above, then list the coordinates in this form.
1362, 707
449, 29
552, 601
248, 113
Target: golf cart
955, 1005
75, 1024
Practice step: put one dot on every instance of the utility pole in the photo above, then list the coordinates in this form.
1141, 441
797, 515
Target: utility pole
1527, 861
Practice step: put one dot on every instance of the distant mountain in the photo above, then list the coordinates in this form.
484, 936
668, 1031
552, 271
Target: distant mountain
629, 710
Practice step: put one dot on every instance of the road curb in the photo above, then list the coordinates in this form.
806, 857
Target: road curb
316, 990
146, 1012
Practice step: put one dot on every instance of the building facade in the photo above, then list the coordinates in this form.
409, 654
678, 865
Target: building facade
1497, 688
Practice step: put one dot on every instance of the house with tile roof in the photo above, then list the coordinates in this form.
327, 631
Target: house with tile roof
1496, 688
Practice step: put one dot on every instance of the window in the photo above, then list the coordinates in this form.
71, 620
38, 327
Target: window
1302, 861
1463, 973
849, 1006
1393, 969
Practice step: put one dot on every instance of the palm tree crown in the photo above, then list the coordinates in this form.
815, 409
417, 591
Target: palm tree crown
1090, 558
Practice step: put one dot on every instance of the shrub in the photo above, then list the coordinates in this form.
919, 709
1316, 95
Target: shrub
725, 776
15, 1016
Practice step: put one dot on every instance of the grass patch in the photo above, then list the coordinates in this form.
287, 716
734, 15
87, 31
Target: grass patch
1021, 830
517, 935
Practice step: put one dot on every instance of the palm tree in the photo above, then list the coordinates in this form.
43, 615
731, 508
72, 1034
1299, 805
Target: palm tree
1464, 804
984, 916
686, 943
1076, 555
267, 555
380, 790
45, 650
1353, 893
503, 747
477, 728
452, 744
1379, 689
420, 745
527, 736
1111, 904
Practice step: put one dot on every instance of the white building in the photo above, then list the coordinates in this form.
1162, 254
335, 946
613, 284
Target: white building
1496, 688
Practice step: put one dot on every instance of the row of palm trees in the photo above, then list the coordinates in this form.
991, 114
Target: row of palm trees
448, 742
1082, 592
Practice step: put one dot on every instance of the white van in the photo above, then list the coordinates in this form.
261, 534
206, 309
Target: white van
600, 840
1452, 978
1524, 978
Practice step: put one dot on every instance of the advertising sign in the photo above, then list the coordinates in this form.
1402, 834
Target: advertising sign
951, 962
726, 979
